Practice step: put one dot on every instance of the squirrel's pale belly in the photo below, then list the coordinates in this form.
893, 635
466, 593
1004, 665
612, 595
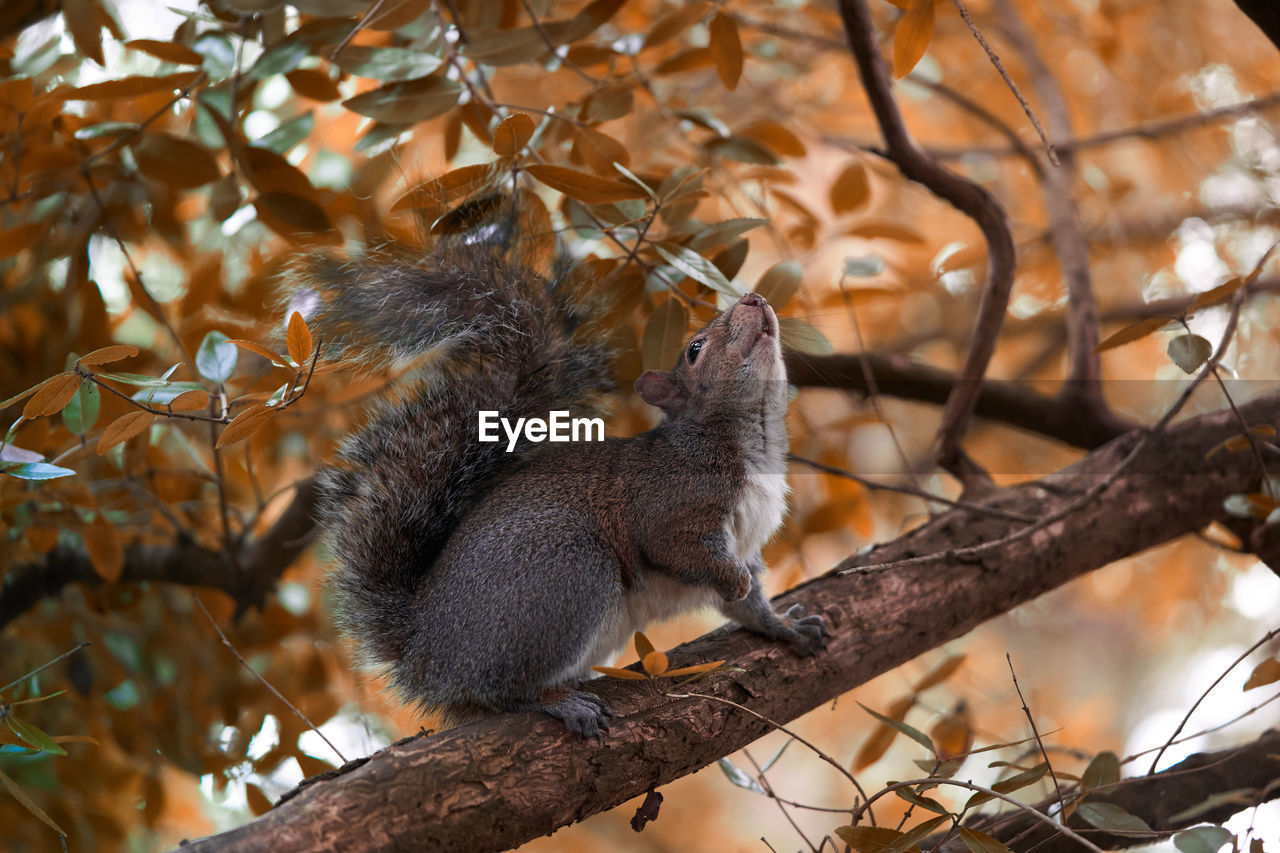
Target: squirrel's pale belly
759, 512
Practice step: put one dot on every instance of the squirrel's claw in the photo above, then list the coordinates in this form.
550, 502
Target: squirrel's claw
808, 635
582, 713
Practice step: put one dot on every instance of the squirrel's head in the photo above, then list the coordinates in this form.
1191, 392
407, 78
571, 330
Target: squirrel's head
733, 365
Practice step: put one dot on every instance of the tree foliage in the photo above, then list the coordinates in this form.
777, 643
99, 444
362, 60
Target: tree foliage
1078, 207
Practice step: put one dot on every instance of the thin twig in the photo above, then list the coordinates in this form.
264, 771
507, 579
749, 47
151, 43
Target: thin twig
301, 716
68, 653
1057, 787
764, 783
1008, 81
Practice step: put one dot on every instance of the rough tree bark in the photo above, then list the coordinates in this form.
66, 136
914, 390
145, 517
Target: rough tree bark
514, 777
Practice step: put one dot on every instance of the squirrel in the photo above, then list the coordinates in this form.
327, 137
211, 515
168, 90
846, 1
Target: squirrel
482, 580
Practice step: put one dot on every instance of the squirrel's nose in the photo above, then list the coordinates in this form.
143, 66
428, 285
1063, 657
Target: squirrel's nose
754, 299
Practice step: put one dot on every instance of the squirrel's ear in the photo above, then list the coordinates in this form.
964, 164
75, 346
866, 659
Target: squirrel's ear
658, 389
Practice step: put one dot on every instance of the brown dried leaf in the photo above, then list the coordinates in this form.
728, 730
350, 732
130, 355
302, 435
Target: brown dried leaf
106, 355
689, 60
777, 137
167, 50
1217, 296
886, 231
871, 839
599, 150
407, 102
607, 104
1132, 333
882, 736
438, 194
124, 428
106, 552
1264, 673
726, 49
696, 669
939, 673
259, 349
512, 135
20, 237
298, 339
851, 189
126, 87
643, 645
81, 17
52, 396
295, 218
912, 36
175, 161
245, 424
314, 84
655, 663
585, 187
673, 23
625, 674
664, 335
259, 803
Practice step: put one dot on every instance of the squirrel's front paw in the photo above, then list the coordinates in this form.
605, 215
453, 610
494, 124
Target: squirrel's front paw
808, 635
582, 713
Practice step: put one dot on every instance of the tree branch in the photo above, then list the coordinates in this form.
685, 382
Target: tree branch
514, 777
967, 197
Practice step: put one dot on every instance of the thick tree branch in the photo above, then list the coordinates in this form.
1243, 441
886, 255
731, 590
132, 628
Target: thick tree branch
249, 582
513, 777
1156, 798
967, 197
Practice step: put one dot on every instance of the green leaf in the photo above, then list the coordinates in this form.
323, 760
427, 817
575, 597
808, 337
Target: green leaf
910, 731
279, 59
918, 799
34, 736
1189, 352
167, 393
801, 336
140, 379
980, 842
780, 282
81, 413
913, 835
386, 63
1109, 816
740, 777
1104, 769
38, 471
216, 358
1202, 839
288, 134
696, 267
1013, 783
408, 101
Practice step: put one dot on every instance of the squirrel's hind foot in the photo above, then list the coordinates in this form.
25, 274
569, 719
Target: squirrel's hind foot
582, 713
808, 635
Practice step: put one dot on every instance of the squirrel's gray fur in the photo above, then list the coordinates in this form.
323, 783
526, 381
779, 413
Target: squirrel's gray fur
483, 580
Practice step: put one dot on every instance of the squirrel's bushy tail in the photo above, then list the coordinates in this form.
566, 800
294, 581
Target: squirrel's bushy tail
493, 335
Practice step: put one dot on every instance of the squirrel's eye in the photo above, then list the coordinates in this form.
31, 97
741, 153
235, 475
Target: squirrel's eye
694, 349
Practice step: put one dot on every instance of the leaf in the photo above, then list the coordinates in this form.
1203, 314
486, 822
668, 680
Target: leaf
875, 746
625, 674
1132, 333
1202, 839
124, 428
52, 395
802, 336
695, 669
1104, 769
585, 187
1264, 673
245, 424
298, 339
726, 49
607, 104
664, 335
1111, 817
697, 267
259, 803
175, 161
81, 413
28, 804
34, 736
314, 84
780, 282
910, 731
980, 842
296, 218
106, 355
1241, 797
912, 36
1216, 296
643, 645
599, 150
20, 238
216, 357
743, 149
1013, 783
655, 663
407, 102
106, 553
513, 134
190, 401
739, 777
869, 839
851, 189
1189, 352
281, 58
439, 193
126, 87
776, 136
37, 471
386, 63
258, 349
81, 17
917, 799
166, 50
886, 231
289, 134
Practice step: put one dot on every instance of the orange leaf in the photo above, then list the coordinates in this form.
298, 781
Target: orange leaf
53, 395
1129, 334
126, 87
655, 663
625, 674
512, 135
726, 49
296, 218
106, 355
437, 194
673, 23
912, 36
189, 401
20, 237
643, 645
124, 428
41, 538
106, 553
882, 736
689, 60
1264, 673
886, 231
851, 189
298, 339
585, 187
1217, 295
81, 17
696, 669
600, 150
259, 349
175, 161
245, 424
939, 673
775, 136
167, 50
